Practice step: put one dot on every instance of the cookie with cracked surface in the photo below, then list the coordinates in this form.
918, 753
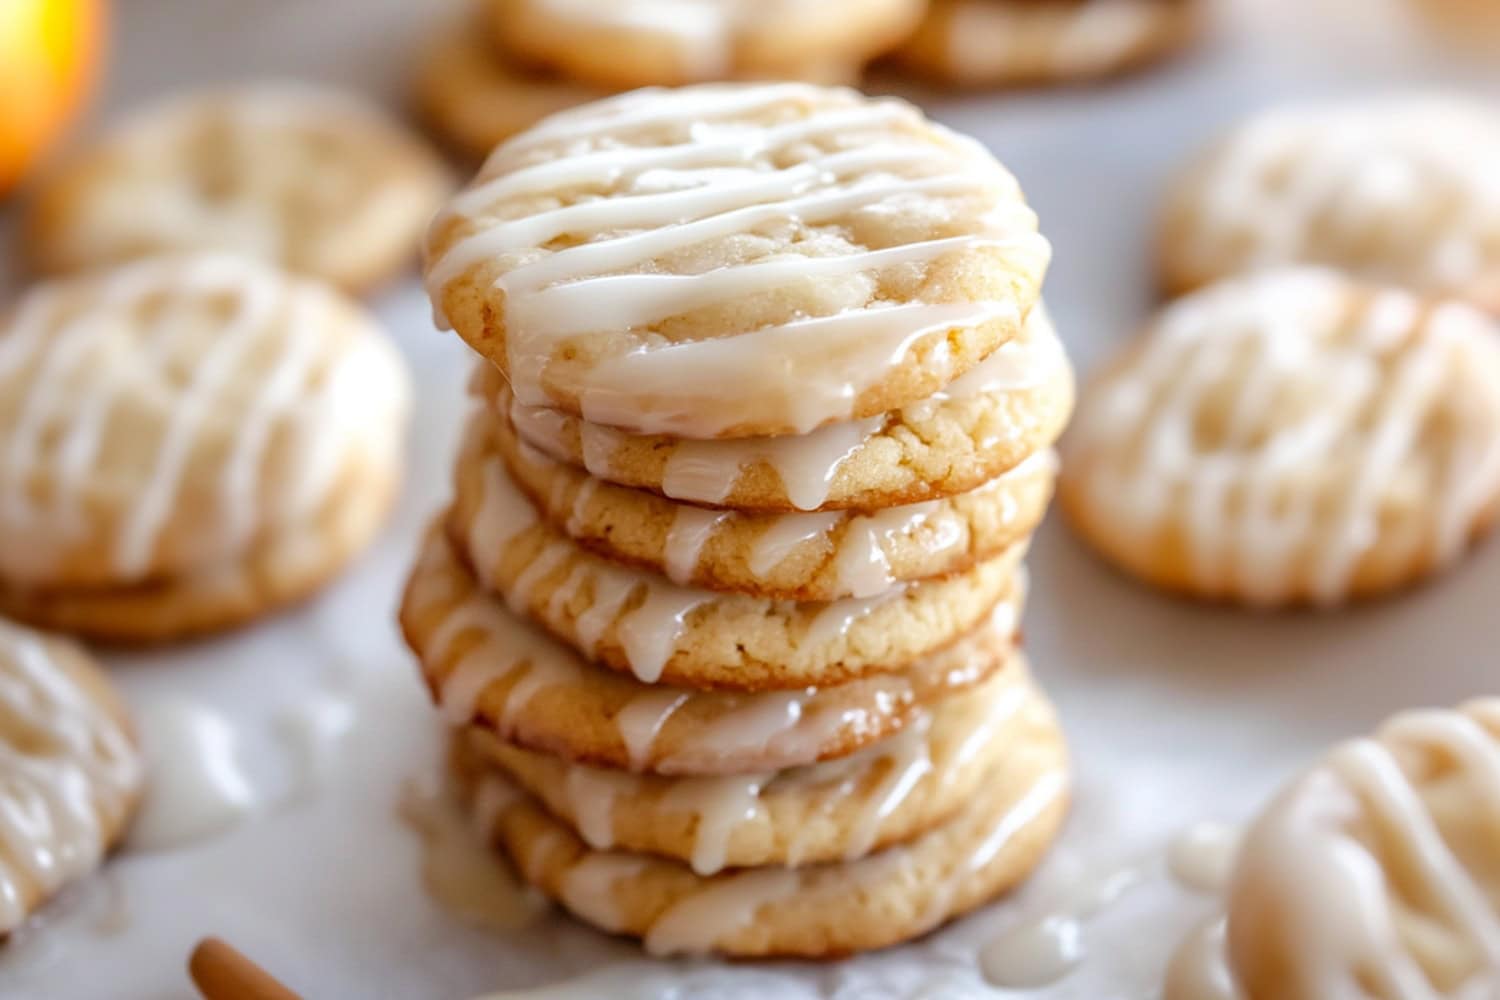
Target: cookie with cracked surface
1403, 191
799, 556
313, 180
885, 794
1377, 873
191, 440
736, 260
640, 623
487, 668
1289, 438
817, 911
1010, 407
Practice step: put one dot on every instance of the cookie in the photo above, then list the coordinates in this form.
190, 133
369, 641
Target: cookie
643, 624
817, 911
988, 43
315, 181
736, 260
886, 794
1008, 409
800, 557
475, 97
1403, 190
485, 667
71, 773
639, 43
188, 439
1377, 873
1292, 437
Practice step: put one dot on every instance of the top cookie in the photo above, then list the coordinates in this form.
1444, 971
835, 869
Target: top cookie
1293, 437
1377, 874
164, 417
730, 261
1405, 191
316, 181
70, 772
637, 43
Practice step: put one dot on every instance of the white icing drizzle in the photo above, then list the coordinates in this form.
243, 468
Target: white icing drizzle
1376, 872
1199, 969
588, 887
648, 633
67, 772
807, 465
718, 179
1036, 954
1271, 421
459, 869
1201, 858
325, 403
198, 788
641, 721
1404, 189
836, 618
692, 527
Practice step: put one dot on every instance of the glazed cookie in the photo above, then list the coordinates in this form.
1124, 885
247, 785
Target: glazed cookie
843, 809
1405, 191
475, 97
732, 261
638, 43
1292, 437
487, 668
188, 441
70, 771
819, 911
1377, 873
640, 623
1012, 42
315, 181
1008, 409
800, 557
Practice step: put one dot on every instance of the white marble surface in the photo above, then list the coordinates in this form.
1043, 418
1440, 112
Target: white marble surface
1177, 713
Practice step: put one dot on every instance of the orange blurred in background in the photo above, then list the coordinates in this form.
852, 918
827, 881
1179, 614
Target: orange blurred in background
50, 54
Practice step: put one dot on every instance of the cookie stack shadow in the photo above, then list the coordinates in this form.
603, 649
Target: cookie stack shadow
758, 696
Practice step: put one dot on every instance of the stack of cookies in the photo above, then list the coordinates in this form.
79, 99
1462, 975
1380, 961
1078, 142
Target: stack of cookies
725, 611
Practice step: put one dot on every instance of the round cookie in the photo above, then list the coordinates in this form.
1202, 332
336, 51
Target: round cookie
183, 430
736, 260
886, 794
640, 623
800, 556
818, 911
640, 43
987, 43
1290, 438
487, 668
71, 774
475, 97
1377, 873
1008, 409
1404, 191
316, 181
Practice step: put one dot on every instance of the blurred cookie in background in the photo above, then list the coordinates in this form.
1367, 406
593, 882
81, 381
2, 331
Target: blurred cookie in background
636, 43
190, 443
997, 43
316, 181
71, 772
1403, 190
1291, 438
474, 96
